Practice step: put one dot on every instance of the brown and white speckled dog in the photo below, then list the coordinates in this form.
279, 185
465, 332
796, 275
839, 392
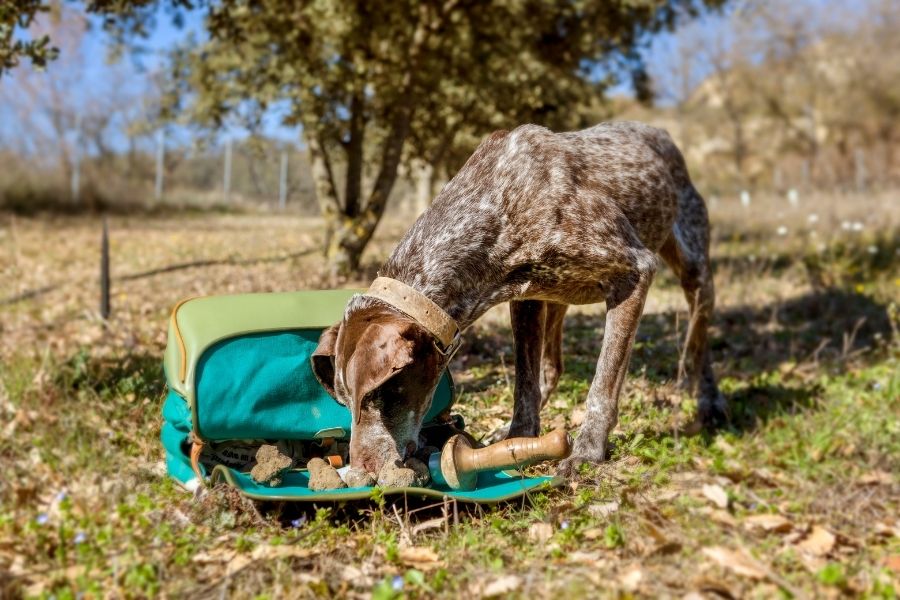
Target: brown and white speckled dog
540, 220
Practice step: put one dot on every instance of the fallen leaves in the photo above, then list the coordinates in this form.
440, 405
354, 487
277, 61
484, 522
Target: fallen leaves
893, 563
419, 557
502, 586
267, 552
603, 510
631, 578
819, 542
737, 561
540, 532
767, 523
876, 477
716, 494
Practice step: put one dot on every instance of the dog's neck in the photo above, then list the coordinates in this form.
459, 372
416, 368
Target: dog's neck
455, 258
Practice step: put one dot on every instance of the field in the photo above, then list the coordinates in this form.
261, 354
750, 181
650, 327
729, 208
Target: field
799, 496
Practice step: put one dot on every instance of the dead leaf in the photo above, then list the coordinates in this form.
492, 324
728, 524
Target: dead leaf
714, 587
819, 542
350, 573
267, 552
420, 557
724, 446
603, 510
655, 532
237, 563
888, 529
736, 561
665, 495
540, 532
587, 558
214, 555
721, 517
502, 586
631, 578
893, 563
716, 495
594, 533
774, 523
876, 477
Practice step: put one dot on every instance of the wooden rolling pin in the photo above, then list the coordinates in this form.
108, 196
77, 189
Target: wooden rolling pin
458, 464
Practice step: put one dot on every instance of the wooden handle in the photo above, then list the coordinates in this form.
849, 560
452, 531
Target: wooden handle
514, 453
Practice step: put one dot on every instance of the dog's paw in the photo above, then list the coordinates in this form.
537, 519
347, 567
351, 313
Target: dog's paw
568, 468
497, 435
571, 468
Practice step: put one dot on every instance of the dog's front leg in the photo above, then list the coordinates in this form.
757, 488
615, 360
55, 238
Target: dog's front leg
624, 303
528, 318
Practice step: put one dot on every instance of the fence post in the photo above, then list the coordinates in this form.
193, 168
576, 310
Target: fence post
282, 181
861, 174
104, 271
160, 158
76, 160
226, 182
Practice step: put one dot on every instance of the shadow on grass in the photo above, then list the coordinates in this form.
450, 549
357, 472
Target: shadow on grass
126, 390
821, 326
414, 510
818, 330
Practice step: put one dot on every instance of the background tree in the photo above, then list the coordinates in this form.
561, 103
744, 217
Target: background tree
17, 16
376, 86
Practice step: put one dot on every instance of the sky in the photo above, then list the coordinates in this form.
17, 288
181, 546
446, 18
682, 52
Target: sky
95, 77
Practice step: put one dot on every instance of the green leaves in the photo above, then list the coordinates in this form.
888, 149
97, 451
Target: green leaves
15, 17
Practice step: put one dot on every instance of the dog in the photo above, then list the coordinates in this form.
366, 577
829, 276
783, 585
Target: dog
541, 220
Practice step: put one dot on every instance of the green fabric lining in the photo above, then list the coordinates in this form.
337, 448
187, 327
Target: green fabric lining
261, 386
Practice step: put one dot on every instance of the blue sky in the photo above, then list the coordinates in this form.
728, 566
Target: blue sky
136, 70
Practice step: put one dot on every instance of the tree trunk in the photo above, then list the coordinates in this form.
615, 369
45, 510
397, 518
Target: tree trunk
349, 236
348, 232
323, 179
354, 149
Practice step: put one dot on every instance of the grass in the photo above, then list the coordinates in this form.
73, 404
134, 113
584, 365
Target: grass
799, 496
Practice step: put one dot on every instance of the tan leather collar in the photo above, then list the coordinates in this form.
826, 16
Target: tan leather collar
420, 308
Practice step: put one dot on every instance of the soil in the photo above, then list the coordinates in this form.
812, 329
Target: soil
322, 476
271, 464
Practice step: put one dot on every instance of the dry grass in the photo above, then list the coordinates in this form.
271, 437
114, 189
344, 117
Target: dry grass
805, 345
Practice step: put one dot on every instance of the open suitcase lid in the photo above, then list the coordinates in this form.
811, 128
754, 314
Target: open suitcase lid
198, 323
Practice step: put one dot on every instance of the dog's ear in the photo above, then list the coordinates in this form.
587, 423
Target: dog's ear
323, 358
369, 370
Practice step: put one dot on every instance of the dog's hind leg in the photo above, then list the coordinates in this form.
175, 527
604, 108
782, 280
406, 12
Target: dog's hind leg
686, 251
551, 358
528, 318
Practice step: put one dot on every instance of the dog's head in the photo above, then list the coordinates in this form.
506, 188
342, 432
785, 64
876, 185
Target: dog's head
384, 367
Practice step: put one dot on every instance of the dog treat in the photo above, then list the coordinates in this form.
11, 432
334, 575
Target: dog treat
393, 475
323, 476
271, 464
358, 478
423, 476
